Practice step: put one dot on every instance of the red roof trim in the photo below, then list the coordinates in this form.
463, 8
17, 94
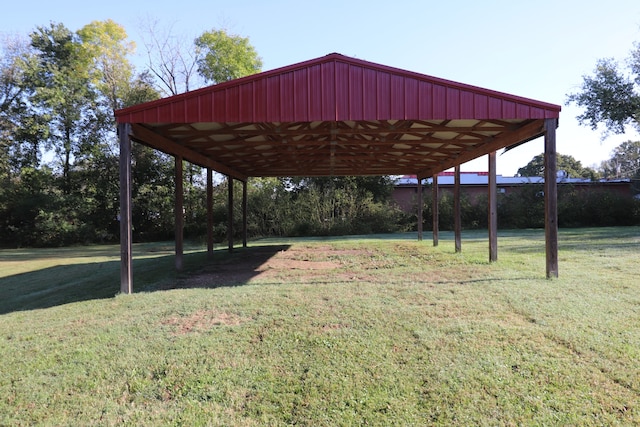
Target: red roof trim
336, 87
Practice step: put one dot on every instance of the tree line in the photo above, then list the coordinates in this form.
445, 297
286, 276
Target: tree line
59, 152
58, 148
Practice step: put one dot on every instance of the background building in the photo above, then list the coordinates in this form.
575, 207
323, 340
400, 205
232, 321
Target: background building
474, 184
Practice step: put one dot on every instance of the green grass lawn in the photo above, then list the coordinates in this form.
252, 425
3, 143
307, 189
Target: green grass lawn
379, 330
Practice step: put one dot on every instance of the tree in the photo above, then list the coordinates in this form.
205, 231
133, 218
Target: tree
180, 67
223, 57
609, 96
624, 161
170, 59
213, 57
106, 46
11, 89
64, 93
141, 89
567, 163
22, 130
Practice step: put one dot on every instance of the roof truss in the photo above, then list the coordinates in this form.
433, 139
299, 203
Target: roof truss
321, 148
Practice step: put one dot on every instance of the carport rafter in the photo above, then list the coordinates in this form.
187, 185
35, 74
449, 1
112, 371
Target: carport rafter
382, 134
531, 130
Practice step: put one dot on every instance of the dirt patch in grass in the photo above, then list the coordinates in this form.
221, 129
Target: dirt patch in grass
263, 263
293, 264
201, 321
309, 263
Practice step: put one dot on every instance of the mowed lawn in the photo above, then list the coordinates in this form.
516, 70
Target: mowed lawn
379, 330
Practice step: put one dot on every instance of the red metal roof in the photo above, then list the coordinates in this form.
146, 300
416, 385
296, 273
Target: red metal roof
337, 88
336, 115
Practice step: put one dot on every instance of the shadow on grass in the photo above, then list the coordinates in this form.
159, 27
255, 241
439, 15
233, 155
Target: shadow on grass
235, 269
64, 284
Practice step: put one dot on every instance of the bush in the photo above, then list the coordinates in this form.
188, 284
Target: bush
596, 209
473, 215
525, 209
522, 209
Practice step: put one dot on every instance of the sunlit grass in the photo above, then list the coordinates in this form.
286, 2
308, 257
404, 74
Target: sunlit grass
390, 332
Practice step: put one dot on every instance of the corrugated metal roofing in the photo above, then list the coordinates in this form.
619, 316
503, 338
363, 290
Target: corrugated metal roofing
336, 115
337, 88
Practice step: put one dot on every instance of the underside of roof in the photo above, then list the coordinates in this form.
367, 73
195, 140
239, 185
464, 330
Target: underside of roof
336, 115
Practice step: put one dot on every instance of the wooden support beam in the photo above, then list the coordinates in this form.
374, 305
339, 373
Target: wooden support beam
244, 214
179, 211
150, 138
435, 210
420, 203
457, 212
126, 252
493, 209
209, 213
551, 197
230, 213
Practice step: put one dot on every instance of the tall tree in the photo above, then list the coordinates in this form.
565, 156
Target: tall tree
106, 45
180, 66
611, 97
11, 78
223, 57
21, 129
624, 161
59, 89
567, 163
107, 48
64, 93
141, 89
171, 59
10, 91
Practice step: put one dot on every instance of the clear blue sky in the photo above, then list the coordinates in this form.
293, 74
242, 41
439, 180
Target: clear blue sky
537, 49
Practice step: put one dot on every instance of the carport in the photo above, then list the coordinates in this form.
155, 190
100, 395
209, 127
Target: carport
336, 116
